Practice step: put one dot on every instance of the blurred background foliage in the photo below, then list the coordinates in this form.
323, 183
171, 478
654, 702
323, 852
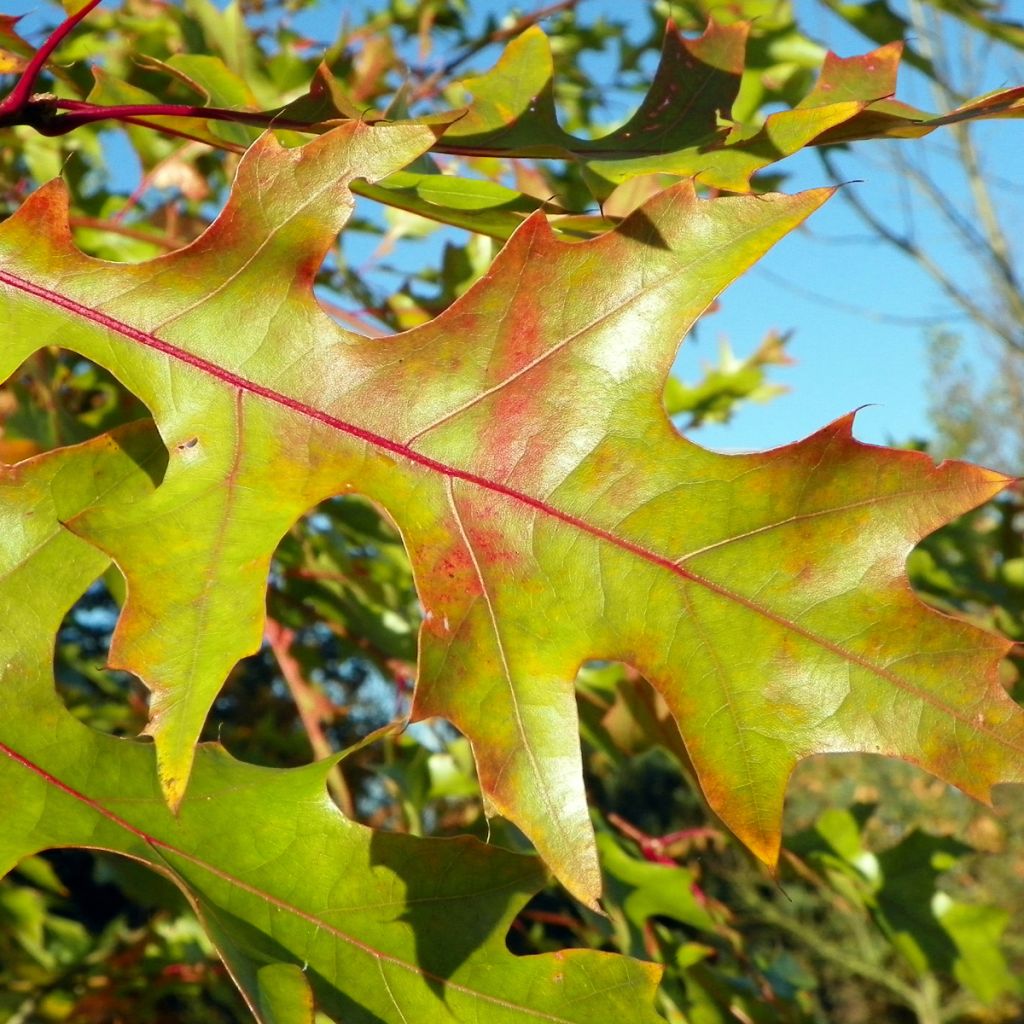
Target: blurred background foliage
898, 898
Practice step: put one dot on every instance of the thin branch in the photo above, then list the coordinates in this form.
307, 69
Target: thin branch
851, 307
654, 848
991, 242
20, 96
840, 956
910, 248
192, 147
350, 319
306, 702
1000, 252
80, 112
939, 198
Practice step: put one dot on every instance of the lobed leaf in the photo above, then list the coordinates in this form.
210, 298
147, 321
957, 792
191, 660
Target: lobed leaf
683, 125
300, 902
551, 513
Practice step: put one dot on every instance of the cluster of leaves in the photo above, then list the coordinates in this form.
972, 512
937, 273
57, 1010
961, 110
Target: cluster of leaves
515, 439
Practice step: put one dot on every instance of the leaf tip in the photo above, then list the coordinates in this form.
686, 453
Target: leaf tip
997, 481
766, 846
174, 766
45, 212
583, 880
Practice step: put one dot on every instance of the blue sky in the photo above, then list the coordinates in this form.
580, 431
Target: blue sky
852, 302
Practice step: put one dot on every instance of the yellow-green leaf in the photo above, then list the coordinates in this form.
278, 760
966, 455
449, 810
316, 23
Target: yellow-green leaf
551, 512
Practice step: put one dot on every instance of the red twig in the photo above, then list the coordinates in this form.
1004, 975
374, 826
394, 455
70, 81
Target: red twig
20, 96
551, 918
350, 319
654, 848
81, 112
311, 707
23, 106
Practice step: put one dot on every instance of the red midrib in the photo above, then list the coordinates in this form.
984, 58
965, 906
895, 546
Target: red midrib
311, 918
395, 447
403, 451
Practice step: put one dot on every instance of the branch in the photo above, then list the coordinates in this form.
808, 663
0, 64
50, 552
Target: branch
850, 307
81, 112
910, 248
840, 956
306, 702
20, 97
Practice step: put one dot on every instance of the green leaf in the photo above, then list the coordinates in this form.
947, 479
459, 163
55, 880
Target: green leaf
297, 898
647, 890
518, 434
481, 206
699, 119
977, 933
682, 127
899, 889
284, 994
905, 896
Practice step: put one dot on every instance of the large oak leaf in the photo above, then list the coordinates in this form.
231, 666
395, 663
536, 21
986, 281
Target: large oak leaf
551, 512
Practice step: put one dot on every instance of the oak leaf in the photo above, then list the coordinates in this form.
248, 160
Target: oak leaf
551, 512
303, 905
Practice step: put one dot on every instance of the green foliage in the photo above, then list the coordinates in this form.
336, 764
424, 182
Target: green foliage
512, 441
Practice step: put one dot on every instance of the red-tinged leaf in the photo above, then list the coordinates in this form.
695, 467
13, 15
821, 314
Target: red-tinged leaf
218, 545
873, 76
14, 51
862, 79
302, 904
10, 38
551, 512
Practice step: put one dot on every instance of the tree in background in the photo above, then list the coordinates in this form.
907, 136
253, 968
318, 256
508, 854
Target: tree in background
92, 937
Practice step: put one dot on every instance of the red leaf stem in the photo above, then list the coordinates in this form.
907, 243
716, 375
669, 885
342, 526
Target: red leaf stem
81, 112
